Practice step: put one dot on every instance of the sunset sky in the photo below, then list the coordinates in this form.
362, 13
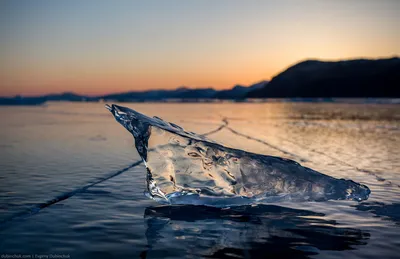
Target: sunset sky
96, 47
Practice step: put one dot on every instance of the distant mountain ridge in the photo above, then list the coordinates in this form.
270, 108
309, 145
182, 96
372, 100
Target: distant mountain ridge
153, 95
361, 78
350, 78
239, 91
37, 100
180, 93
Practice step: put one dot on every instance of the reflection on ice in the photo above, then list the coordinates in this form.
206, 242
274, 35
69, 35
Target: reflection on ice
186, 168
244, 232
380, 209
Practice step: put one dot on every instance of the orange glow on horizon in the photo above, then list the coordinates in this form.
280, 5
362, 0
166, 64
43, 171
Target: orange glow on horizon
97, 83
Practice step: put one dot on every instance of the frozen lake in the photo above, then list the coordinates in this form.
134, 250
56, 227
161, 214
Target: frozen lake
71, 183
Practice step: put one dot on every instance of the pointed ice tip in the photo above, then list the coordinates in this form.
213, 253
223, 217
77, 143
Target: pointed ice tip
108, 107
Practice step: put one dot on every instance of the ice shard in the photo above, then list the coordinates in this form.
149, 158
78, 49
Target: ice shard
187, 168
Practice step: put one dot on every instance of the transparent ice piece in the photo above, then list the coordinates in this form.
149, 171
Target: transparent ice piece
187, 168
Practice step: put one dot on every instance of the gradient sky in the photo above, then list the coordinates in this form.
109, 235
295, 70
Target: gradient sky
95, 47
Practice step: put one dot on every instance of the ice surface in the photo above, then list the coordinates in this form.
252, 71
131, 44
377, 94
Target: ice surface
187, 168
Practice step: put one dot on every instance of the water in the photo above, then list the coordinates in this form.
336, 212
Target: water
187, 168
72, 183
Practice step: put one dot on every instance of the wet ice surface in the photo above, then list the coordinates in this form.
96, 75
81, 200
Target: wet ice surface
187, 168
75, 153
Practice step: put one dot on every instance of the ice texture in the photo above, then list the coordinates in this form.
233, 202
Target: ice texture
187, 168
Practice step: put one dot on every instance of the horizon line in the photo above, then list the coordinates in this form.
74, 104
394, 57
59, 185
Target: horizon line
130, 91
393, 56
